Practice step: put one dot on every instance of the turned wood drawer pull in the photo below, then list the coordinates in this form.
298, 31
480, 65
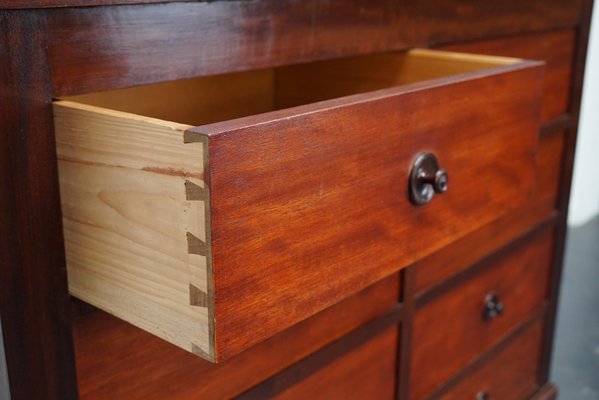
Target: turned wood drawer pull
426, 179
483, 395
493, 307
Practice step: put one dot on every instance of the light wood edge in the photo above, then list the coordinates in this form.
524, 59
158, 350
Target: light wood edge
188, 137
121, 114
464, 57
195, 137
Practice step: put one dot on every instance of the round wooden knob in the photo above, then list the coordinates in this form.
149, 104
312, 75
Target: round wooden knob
426, 179
483, 395
493, 307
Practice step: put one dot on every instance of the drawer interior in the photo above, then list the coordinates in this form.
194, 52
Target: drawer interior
216, 98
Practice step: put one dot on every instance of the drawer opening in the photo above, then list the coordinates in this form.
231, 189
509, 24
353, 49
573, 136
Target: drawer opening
217, 98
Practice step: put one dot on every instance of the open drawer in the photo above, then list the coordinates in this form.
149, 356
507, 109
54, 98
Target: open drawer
218, 211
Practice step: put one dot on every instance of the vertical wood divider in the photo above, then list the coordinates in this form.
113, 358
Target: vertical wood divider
564, 190
34, 301
405, 339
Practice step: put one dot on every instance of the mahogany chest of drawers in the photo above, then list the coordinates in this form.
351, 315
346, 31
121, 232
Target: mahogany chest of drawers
291, 199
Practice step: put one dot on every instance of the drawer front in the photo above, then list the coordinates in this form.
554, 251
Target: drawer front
102, 340
218, 236
509, 375
307, 209
369, 371
457, 326
555, 48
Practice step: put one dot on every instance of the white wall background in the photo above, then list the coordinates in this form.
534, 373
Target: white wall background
584, 200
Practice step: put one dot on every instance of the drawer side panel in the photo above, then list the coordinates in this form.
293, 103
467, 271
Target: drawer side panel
134, 213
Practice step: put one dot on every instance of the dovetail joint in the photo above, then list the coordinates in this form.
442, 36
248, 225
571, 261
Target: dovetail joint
192, 137
197, 297
195, 245
194, 191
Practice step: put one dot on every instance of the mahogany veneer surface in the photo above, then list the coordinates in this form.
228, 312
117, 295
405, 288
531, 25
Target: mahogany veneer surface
367, 372
101, 48
555, 48
520, 280
98, 48
294, 209
102, 340
509, 375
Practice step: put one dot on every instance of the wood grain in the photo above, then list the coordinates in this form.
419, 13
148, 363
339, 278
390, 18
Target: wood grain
360, 74
510, 374
325, 192
297, 373
25, 4
576, 86
551, 151
555, 48
102, 48
136, 246
140, 249
194, 101
367, 372
432, 271
449, 332
144, 366
216, 98
108, 47
33, 293
207, 38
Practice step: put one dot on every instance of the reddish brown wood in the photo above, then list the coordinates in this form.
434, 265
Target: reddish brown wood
450, 21
551, 150
576, 84
102, 340
555, 48
324, 192
367, 371
469, 271
99, 48
108, 47
405, 337
33, 294
488, 241
449, 332
24, 4
547, 392
433, 270
510, 374
556, 125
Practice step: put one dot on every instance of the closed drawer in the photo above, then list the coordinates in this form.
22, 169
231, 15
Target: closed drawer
455, 327
290, 194
556, 48
101, 340
511, 374
368, 371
